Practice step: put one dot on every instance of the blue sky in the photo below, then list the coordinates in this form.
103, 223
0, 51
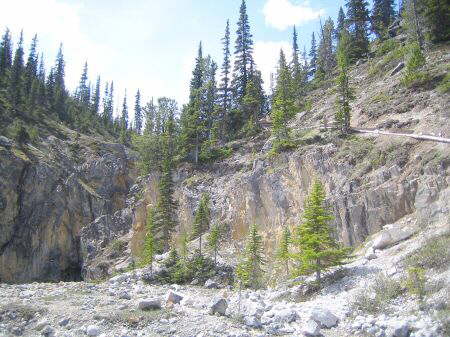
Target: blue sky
151, 44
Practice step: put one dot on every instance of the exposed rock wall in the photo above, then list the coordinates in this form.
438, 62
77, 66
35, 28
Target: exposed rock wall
47, 195
270, 192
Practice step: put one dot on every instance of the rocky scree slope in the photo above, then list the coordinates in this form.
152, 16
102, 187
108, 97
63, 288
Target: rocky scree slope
50, 190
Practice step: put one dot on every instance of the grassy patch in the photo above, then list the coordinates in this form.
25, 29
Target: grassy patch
23, 311
388, 61
138, 318
444, 86
377, 298
380, 98
386, 47
434, 254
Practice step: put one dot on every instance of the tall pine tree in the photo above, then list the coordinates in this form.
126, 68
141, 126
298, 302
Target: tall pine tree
358, 25
6, 57
60, 95
242, 64
283, 107
95, 104
15, 87
345, 93
138, 112
383, 14
326, 58
31, 66
201, 220
225, 90
313, 56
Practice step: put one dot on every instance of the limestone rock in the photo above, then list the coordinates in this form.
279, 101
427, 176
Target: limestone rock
311, 329
219, 306
324, 317
149, 304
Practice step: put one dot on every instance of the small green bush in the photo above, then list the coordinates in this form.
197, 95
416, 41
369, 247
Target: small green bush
386, 47
19, 132
415, 282
33, 133
434, 254
444, 86
379, 295
415, 60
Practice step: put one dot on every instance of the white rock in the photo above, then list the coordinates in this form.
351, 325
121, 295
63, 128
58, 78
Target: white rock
93, 331
324, 317
370, 254
173, 298
311, 329
41, 324
210, 284
48, 331
252, 321
149, 304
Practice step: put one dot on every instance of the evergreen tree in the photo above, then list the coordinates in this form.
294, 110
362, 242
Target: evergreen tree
383, 14
41, 97
243, 60
201, 220
60, 95
313, 56
15, 81
214, 240
283, 106
299, 77
317, 250
82, 93
31, 66
358, 22
124, 115
149, 241
251, 106
96, 98
437, 18
166, 205
6, 57
326, 59
138, 113
250, 268
50, 90
105, 112
340, 22
283, 254
345, 93
225, 90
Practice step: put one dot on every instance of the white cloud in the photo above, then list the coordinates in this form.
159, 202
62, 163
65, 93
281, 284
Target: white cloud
282, 14
266, 54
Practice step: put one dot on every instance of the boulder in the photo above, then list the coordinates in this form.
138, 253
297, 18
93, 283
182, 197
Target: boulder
124, 295
324, 317
210, 284
311, 329
391, 235
173, 298
93, 331
218, 306
370, 254
252, 322
5, 142
149, 304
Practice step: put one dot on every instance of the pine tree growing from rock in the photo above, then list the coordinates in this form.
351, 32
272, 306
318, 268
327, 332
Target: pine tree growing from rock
283, 254
317, 249
149, 241
201, 220
250, 269
214, 240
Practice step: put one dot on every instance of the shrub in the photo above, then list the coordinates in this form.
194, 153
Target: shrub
377, 297
33, 133
386, 47
415, 282
444, 86
434, 254
19, 132
415, 60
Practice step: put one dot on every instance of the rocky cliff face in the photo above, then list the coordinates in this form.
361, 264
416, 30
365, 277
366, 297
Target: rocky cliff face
48, 192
